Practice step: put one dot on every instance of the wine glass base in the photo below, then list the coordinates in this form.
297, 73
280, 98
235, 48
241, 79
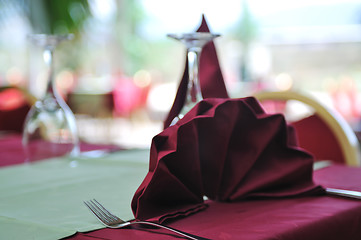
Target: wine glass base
195, 39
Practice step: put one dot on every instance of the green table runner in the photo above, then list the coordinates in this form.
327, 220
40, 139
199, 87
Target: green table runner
44, 200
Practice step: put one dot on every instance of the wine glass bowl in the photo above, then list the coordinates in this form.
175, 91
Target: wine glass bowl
194, 43
50, 127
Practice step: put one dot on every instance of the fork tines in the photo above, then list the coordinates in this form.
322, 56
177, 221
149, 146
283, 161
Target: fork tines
100, 212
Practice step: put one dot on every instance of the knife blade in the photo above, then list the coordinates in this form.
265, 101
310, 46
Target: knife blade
343, 193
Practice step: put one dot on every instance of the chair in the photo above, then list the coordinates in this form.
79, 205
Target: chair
15, 102
323, 132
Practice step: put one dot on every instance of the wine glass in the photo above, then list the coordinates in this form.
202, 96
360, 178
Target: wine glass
50, 127
194, 43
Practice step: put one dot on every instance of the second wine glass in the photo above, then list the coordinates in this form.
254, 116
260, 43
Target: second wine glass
50, 127
194, 43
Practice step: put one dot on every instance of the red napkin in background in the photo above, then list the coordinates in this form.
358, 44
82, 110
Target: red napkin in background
227, 150
13, 109
210, 78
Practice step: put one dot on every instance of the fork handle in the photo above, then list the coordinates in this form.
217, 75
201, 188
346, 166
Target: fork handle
184, 234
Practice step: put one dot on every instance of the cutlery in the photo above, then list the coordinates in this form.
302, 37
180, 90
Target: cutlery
112, 221
321, 164
344, 193
335, 191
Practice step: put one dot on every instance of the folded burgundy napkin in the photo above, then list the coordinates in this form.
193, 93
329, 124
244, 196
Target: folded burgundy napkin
227, 150
210, 78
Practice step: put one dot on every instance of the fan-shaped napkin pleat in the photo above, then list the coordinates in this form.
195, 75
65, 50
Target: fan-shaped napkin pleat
163, 193
227, 150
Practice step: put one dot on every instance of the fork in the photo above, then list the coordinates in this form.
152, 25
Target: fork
112, 221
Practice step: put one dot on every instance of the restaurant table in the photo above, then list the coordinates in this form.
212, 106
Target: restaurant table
11, 151
312, 217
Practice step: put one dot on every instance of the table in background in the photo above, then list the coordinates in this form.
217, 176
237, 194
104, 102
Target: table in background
11, 150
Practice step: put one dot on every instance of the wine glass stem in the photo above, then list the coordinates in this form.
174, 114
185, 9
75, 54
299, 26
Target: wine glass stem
194, 93
48, 58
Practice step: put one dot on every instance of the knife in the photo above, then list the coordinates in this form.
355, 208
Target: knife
344, 193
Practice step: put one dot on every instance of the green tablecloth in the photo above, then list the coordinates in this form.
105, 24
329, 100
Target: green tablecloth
44, 200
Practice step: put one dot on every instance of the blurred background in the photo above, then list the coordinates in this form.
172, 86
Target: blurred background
120, 73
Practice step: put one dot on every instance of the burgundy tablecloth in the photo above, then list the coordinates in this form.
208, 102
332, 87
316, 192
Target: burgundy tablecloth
311, 218
11, 150
301, 218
